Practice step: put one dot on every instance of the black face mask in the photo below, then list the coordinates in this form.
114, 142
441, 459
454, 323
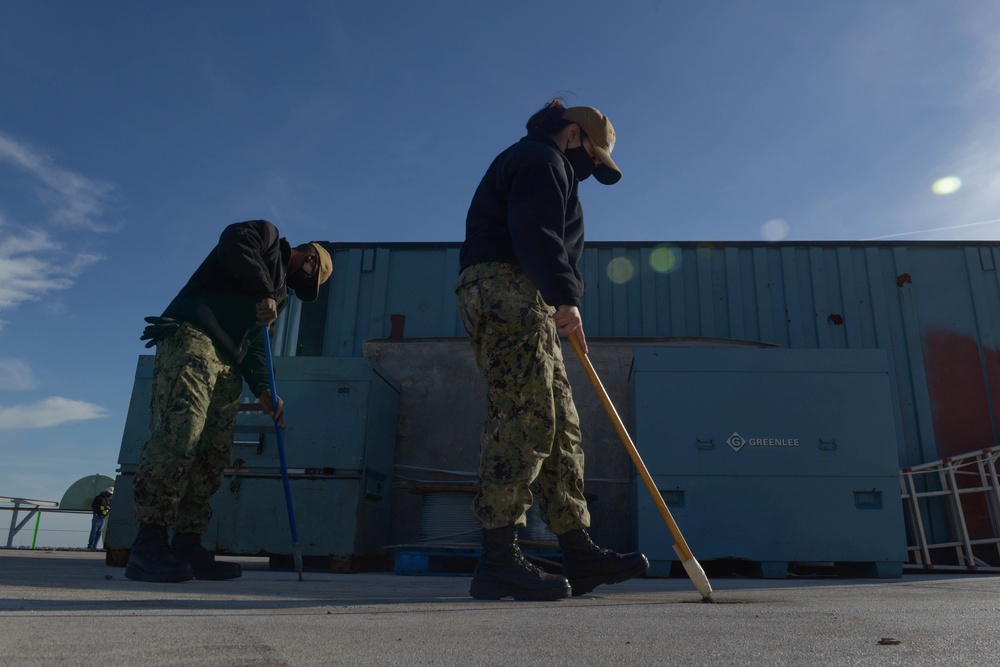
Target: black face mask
583, 164
299, 279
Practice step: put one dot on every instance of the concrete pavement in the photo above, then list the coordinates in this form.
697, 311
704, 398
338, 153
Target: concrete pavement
69, 608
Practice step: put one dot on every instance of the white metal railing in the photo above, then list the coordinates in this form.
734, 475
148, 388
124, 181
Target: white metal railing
946, 489
66, 533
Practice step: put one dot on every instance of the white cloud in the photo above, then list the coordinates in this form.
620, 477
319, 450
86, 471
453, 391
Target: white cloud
71, 198
29, 268
15, 375
32, 263
48, 412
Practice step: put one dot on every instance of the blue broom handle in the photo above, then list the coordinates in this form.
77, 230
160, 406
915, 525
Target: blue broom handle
278, 434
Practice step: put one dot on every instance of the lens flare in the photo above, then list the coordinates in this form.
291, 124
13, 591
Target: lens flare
664, 259
946, 185
775, 230
620, 270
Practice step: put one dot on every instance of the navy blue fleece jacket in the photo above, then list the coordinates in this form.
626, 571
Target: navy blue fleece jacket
526, 212
247, 265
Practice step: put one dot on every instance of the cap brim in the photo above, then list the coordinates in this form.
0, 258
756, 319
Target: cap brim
322, 273
608, 172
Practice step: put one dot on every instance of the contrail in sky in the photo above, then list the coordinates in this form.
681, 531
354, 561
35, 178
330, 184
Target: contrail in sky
938, 229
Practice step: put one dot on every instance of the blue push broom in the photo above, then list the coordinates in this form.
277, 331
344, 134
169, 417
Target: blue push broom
296, 549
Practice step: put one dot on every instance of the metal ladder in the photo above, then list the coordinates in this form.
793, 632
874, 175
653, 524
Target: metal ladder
946, 488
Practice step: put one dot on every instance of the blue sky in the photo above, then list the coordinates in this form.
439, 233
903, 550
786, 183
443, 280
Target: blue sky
131, 133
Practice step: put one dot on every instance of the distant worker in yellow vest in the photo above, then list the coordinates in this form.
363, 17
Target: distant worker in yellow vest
101, 505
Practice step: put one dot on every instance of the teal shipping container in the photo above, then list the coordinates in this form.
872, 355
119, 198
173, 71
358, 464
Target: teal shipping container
932, 307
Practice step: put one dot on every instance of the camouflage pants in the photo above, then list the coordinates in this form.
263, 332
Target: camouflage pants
192, 413
530, 445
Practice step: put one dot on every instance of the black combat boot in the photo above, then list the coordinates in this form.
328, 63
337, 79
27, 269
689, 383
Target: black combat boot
187, 547
503, 572
587, 565
150, 558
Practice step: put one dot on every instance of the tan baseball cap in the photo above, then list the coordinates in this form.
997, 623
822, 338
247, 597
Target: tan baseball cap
323, 272
602, 138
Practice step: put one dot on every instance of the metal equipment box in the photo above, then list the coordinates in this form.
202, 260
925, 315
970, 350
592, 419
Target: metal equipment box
340, 434
770, 456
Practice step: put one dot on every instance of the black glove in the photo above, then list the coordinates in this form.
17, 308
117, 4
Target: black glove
160, 328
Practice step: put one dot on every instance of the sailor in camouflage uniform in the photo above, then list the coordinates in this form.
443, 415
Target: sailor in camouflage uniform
519, 288
208, 341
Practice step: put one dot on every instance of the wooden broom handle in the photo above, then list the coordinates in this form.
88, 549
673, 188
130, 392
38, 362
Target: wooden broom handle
682, 548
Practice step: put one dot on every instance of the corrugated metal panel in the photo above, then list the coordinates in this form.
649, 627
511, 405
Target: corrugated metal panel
934, 306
